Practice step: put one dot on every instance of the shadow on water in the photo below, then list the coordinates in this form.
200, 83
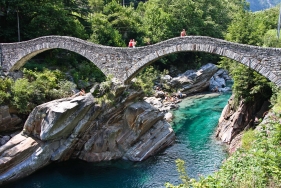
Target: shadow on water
194, 124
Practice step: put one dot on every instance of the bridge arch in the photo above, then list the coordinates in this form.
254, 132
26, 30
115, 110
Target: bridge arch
15, 55
266, 61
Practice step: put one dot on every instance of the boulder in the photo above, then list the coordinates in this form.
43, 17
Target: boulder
8, 121
129, 136
168, 117
232, 122
218, 81
58, 118
194, 81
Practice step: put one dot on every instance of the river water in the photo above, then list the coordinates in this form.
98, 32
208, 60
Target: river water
194, 124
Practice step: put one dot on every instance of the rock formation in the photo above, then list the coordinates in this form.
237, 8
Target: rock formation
235, 120
8, 121
80, 128
194, 81
218, 81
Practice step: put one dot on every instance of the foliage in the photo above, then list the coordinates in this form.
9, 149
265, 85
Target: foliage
106, 94
65, 89
277, 101
249, 84
104, 33
39, 87
248, 139
39, 18
255, 29
183, 176
270, 39
5, 88
87, 71
106, 85
250, 28
146, 78
22, 93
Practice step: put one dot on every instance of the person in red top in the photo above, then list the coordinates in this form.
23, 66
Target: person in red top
130, 44
183, 33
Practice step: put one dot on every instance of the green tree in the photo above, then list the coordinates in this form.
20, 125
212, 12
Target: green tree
270, 39
104, 33
39, 18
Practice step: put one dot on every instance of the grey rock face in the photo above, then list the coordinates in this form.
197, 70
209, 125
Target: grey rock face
194, 81
8, 122
80, 128
233, 121
218, 81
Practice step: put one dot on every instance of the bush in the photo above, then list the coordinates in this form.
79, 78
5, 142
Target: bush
65, 89
248, 139
277, 100
146, 79
5, 89
87, 71
39, 87
22, 93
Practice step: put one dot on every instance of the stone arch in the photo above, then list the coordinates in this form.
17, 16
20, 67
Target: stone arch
257, 58
20, 53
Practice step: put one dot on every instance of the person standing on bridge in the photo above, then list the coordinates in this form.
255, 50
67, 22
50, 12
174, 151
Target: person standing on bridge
183, 33
130, 44
134, 43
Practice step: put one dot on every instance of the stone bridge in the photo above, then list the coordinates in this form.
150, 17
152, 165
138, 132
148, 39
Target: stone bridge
125, 63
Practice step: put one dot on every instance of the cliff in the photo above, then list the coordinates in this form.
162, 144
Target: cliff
234, 121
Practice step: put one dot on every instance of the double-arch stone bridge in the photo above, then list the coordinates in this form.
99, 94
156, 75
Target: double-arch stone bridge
125, 63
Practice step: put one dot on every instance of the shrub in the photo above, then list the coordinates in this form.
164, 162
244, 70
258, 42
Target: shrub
65, 89
5, 89
22, 94
146, 79
248, 139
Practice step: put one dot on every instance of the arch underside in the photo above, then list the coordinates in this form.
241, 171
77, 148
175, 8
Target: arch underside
252, 63
19, 63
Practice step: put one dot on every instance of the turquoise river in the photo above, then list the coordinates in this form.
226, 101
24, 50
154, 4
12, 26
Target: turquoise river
194, 124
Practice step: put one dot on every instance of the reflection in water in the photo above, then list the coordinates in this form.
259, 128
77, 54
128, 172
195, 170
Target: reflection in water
194, 124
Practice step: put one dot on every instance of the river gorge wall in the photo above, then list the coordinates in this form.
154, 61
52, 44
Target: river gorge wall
234, 120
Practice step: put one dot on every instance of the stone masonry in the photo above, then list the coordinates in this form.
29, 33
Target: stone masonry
125, 63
